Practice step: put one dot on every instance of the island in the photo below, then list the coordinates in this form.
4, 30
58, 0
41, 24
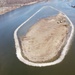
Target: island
46, 39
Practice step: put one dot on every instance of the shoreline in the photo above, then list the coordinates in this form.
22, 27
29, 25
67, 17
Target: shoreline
63, 53
4, 9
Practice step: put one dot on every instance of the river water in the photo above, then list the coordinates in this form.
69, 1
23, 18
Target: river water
9, 64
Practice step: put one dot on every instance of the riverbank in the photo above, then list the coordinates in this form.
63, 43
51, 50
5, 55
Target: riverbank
11, 7
52, 36
4, 10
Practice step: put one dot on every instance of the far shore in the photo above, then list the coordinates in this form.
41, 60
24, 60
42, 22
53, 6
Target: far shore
5, 9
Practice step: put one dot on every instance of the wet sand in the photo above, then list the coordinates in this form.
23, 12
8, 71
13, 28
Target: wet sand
44, 40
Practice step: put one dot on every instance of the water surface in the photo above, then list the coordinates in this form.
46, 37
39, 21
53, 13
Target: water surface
9, 64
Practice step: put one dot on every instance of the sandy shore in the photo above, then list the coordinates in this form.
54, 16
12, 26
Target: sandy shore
45, 40
4, 9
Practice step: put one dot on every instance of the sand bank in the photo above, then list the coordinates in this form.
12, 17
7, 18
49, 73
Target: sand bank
44, 40
61, 50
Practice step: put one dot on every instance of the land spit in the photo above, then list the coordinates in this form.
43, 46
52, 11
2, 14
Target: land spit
45, 40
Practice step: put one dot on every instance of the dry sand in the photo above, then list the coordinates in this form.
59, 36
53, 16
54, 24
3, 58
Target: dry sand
45, 39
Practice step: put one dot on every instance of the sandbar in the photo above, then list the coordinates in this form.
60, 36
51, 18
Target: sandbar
45, 40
